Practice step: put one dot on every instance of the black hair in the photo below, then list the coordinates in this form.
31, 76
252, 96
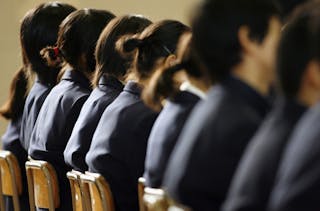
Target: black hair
39, 28
287, 6
215, 31
162, 84
158, 40
77, 39
108, 58
13, 107
299, 44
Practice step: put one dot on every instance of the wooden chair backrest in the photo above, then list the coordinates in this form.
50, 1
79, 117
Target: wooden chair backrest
10, 178
78, 203
141, 186
155, 199
42, 185
101, 198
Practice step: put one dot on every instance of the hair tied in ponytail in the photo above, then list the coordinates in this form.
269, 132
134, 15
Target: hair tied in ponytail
52, 55
132, 44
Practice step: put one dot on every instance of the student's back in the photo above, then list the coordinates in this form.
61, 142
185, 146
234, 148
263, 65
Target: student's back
108, 75
174, 86
119, 143
39, 29
219, 128
12, 111
62, 106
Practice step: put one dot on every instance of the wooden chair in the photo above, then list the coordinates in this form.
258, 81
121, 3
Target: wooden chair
10, 179
78, 203
42, 185
99, 192
141, 186
156, 199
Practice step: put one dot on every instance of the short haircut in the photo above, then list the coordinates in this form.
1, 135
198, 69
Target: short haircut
215, 31
299, 44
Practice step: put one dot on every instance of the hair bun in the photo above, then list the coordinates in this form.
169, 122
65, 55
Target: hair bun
51, 55
127, 44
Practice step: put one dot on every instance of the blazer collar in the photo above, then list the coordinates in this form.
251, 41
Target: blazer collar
77, 77
133, 88
109, 81
246, 93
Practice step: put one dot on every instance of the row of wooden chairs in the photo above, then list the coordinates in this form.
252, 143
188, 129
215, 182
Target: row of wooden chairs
90, 191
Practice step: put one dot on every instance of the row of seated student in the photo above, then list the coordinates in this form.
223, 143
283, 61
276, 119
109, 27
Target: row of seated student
187, 108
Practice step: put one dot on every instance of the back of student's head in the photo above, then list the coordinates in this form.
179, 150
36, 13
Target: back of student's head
77, 40
299, 45
39, 28
162, 85
157, 41
109, 60
216, 27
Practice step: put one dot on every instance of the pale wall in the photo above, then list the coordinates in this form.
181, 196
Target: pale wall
11, 12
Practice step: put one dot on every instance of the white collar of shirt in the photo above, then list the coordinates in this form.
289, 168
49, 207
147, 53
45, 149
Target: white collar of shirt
187, 86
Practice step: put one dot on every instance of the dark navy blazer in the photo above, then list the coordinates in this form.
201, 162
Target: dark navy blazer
54, 125
255, 176
211, 144
79, 143
11, 142
119, 145
297, 187
34, 101
164, 135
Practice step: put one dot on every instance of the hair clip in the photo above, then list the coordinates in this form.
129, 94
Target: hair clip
166, 49
56, 51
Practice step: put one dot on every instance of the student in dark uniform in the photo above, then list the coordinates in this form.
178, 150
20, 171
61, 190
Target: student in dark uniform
237, 40
75, 46
297, 184
39, 29
256, 173
12, 111
110, 73
181, 86
119, 143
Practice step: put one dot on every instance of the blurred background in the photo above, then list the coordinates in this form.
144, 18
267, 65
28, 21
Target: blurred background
12, 11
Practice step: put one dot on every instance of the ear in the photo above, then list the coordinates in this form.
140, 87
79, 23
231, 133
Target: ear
170, 60
247, 45
312, 74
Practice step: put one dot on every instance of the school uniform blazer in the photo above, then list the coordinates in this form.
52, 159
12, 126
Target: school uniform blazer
255, 176
58, 116
11, 142
119, 145
164, 135
211, 144
297, 186
79, 143
54, 125
34, 101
